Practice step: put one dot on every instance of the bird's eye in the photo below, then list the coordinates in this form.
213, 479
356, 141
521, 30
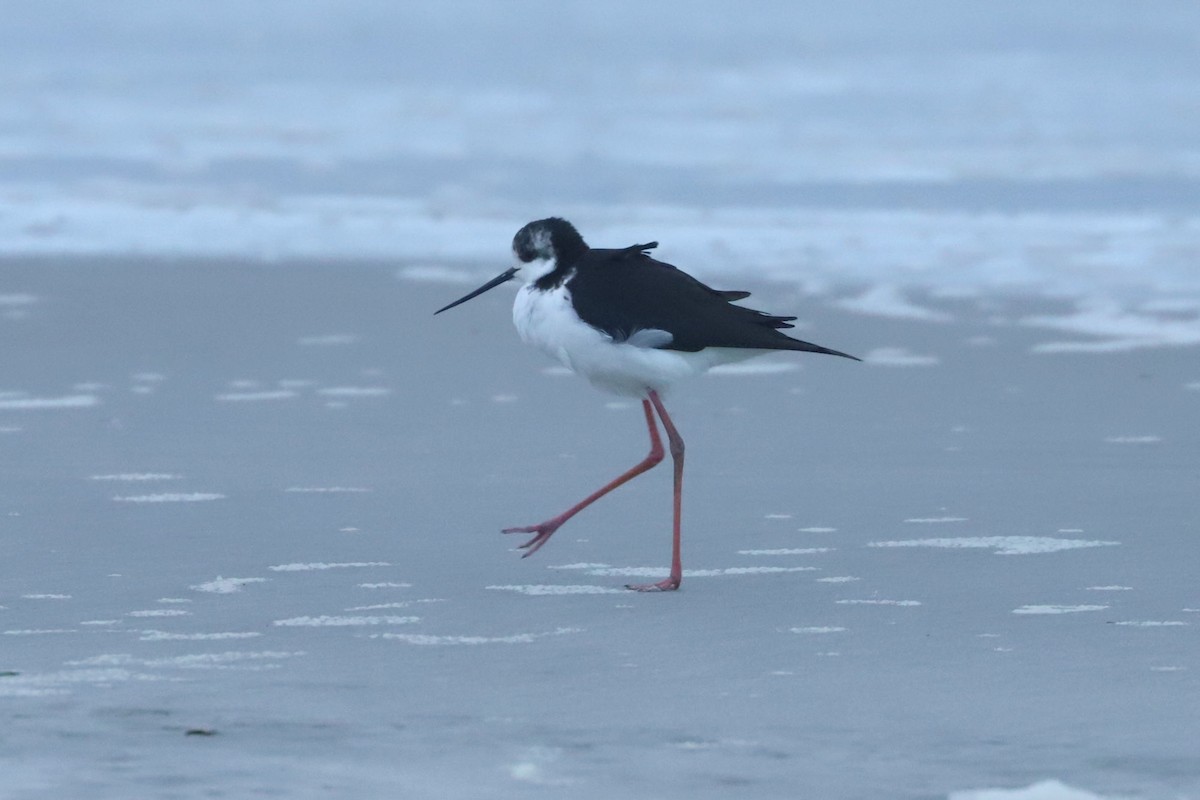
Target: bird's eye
523, 249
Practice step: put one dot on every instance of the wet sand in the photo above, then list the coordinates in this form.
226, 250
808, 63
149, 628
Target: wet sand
264, 502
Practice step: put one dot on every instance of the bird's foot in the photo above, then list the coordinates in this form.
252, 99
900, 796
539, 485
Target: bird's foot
542, 533
666, 585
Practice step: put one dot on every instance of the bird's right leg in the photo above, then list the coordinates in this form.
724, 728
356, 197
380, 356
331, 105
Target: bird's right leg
543, 531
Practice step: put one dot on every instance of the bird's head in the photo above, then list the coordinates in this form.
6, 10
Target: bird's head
539, 248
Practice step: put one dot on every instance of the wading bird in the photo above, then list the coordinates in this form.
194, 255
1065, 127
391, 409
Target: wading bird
631, 325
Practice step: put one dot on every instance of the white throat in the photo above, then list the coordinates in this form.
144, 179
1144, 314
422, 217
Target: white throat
538, 268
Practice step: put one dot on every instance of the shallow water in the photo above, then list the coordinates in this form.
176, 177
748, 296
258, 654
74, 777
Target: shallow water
275, 519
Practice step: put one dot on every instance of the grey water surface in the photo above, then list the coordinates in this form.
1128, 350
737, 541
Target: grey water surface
250, 514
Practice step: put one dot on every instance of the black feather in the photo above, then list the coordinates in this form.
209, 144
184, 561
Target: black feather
622, 291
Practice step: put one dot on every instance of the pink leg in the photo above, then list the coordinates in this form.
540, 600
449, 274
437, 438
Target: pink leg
676, 443
543, 531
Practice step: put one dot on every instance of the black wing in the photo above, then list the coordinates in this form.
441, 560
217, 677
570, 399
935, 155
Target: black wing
625, 291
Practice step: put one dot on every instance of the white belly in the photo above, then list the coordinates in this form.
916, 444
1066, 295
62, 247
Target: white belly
547, 321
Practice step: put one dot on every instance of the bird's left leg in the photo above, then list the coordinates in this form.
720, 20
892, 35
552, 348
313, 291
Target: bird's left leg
675, 441
544, 530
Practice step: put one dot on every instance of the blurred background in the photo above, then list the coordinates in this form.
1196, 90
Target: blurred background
1040, 146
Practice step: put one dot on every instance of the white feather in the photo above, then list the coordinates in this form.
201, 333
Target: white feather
547, 320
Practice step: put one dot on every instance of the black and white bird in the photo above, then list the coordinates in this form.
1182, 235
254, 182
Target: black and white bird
631, 325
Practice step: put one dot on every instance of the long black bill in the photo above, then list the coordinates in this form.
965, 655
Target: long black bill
503, 277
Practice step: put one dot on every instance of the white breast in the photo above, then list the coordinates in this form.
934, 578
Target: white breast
546, 320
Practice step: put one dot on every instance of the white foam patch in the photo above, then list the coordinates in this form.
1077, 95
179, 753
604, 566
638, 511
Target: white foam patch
38, 631
159, 612
874, 602
1002, 545
889, 301
401, 604
319, 565
135, 477
817, 530
528, 772
327, 340
1114, 329
1042, 790
343, 621
580, 565
786, 551
1110, 588
17, 299
819, 629
659, 572
754, 368
54, 683
935, 520
899, 357
556, 589
46, 596
354, 391
164, 636
777, 516
225, 585
431, 640
237, 659
1059, 253
46, 403
1058, 609
1133, 439
838, 579
385, 585
326, 489
171, 497
1152, 623
256, 397
530, 769
437, 274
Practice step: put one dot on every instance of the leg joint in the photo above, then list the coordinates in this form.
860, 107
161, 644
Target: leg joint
676, 447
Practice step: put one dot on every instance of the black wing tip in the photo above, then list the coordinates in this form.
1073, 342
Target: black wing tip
816, 348
828, 352
809, 347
